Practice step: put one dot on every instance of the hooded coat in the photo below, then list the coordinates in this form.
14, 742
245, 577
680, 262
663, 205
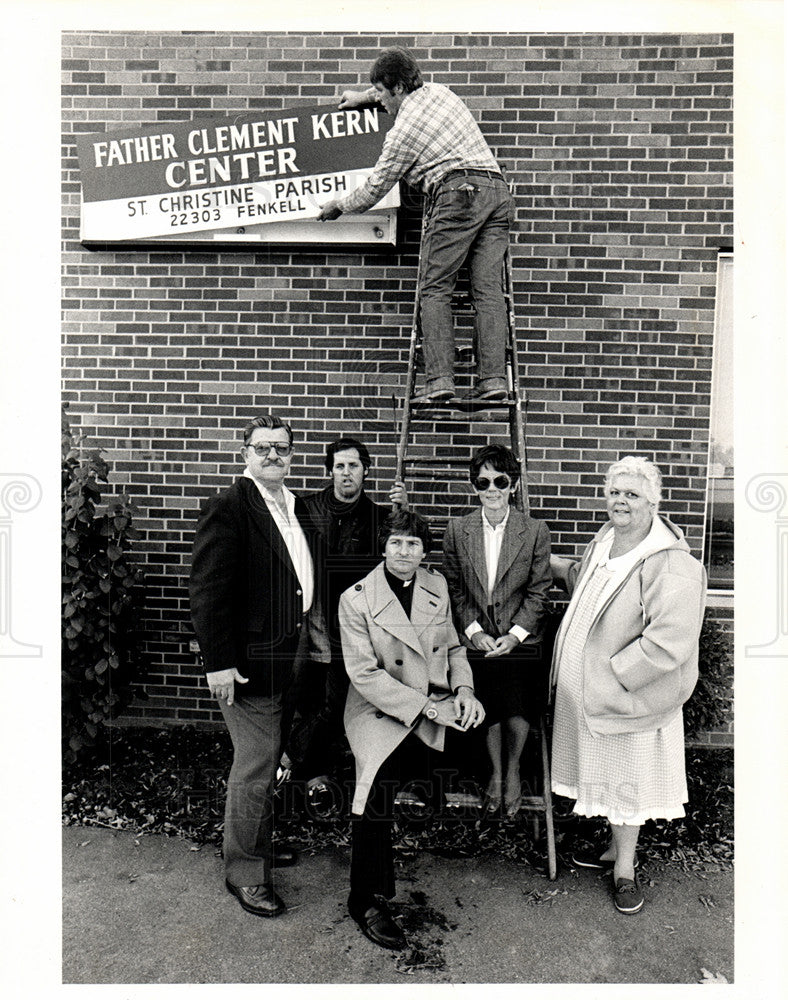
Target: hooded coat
640, 660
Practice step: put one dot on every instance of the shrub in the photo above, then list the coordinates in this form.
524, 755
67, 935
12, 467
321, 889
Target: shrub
709, 706
100, 659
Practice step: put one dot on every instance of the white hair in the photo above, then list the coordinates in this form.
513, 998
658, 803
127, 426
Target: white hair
638, 465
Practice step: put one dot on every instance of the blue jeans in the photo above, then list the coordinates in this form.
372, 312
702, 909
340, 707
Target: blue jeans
468, 217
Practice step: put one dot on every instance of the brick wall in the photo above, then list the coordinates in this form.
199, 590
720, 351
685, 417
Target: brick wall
618, 148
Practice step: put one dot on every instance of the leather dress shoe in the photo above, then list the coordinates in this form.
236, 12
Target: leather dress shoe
380, 927
258, 899
283, 856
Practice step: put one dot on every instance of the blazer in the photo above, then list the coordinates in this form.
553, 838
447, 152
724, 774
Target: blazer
396, 665
640, 659
246, 602
522, 582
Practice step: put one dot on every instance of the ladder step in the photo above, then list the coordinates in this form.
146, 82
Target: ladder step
463, 357
460, 403
421, 467
463, 305
465, 800
427, 474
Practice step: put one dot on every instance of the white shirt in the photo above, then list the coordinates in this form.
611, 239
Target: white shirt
659, 537
293, 536
493, 540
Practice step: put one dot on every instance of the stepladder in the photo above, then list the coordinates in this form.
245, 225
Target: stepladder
435, 443
464, 409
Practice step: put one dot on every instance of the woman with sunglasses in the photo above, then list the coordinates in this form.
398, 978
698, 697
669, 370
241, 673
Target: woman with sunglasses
497, 563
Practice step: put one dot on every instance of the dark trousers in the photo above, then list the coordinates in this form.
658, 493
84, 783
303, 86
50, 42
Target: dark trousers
255, 723
425, 772
317, 730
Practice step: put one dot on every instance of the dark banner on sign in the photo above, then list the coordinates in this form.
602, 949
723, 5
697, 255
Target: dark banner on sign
223, 172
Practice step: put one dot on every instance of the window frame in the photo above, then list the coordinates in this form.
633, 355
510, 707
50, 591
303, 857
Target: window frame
723, 313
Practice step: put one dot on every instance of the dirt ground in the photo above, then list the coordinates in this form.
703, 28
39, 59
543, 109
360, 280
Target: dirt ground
152, 909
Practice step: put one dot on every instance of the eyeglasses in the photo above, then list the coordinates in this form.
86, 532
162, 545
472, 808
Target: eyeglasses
482, 483
264, 448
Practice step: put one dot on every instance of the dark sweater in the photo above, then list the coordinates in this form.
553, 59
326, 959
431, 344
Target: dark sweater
350, 531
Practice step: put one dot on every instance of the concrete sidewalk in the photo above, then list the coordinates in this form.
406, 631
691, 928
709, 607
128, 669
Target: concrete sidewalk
152, 909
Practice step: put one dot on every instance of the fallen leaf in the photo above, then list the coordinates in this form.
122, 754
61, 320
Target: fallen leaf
146, 791
712, 978
535, 897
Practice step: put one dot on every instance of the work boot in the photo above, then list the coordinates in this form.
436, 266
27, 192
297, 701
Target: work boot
436, 389
491, 388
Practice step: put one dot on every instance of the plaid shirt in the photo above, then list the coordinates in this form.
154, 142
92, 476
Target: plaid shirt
434, 133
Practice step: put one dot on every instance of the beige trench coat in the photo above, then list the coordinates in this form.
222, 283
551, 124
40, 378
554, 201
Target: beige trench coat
393, 664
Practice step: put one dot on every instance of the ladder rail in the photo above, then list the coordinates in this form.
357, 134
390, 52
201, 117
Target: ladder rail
410, 381
517, 414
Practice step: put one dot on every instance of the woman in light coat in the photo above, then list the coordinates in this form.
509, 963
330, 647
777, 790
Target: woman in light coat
625, 661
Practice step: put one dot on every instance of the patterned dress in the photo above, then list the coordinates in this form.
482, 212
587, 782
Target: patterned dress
625, 777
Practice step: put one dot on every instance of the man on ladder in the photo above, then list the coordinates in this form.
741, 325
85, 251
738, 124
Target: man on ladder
437, 146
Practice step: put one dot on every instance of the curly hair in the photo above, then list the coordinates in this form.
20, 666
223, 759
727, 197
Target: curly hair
345, 444
638, 465
395, 66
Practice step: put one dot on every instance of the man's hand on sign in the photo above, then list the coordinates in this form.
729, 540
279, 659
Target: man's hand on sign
329, 211
353, 98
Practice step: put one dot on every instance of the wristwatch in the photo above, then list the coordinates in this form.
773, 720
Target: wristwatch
432, 712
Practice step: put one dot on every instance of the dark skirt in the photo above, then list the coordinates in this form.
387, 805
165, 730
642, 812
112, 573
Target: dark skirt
511, 685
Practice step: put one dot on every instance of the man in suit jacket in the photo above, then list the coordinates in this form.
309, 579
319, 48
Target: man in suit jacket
256, 564
409, 683
497, 564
